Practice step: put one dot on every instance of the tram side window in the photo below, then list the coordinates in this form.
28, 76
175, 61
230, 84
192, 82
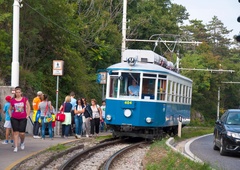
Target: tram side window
169, 90
113, 86
161, 89
148, 89
177, 92
173, 91
180, 93
189, 95
184, 94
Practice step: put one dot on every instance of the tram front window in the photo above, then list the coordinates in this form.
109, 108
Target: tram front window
113, 86
125, 82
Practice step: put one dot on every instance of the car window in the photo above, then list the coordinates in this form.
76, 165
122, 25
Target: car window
223, 118
233, 118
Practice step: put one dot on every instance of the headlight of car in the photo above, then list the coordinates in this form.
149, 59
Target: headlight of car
233, 134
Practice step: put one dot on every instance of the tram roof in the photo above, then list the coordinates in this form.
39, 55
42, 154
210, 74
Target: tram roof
145, 67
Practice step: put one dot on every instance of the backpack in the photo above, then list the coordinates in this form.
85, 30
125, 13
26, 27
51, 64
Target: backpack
88, 111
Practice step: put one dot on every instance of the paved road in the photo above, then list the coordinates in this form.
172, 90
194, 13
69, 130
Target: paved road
203, 149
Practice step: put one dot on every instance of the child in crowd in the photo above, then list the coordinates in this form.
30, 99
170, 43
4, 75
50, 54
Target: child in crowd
102, 124
7, 123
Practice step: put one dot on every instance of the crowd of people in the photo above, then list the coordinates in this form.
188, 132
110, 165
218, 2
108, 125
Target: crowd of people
81, 118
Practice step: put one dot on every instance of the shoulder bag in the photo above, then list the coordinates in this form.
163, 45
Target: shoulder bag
61, 116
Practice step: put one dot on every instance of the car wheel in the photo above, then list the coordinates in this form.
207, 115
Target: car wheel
215, 146
222, 149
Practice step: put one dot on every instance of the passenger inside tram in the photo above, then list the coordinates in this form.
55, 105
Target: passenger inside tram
133, 89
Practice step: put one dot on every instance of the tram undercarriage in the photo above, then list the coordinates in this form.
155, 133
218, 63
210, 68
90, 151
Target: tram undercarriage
143, 132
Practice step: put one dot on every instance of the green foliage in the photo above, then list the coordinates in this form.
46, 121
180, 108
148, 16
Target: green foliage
194, 131
162, 157
86, 35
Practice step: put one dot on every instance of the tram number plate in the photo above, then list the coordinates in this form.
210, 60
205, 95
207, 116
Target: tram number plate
127, 102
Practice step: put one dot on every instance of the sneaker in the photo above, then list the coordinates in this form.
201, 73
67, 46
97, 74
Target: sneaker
79, 136
15, 149
76, 136
87, 136
22, 146
36, 137
5, 142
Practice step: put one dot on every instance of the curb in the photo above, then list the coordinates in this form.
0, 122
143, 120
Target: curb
187, 148
188, 153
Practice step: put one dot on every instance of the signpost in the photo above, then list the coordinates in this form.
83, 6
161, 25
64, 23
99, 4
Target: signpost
102, 79
57, 71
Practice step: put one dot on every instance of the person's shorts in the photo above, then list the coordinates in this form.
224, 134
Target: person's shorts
19, 125
7, 124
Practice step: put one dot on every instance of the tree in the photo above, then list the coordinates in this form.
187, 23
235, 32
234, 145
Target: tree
218, 37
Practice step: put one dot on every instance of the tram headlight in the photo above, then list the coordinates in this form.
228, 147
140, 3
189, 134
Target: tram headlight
109, 117
148, 120
127, 113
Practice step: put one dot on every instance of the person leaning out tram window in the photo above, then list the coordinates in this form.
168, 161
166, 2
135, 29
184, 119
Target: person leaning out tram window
133, 89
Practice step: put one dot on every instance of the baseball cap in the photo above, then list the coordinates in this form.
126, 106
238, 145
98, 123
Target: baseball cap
8, 98
39, 93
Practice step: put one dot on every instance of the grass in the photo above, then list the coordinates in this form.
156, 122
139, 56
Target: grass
100, 138
160, 156
58, 147
190, 131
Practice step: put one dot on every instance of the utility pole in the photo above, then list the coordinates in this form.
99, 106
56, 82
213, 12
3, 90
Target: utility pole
124, 27
218, 106
15, 50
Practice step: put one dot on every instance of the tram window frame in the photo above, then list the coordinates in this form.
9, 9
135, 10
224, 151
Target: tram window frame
180, 93
161, 88
148, 87
125, 81
189, 99
177, 92
169, 90
173, 91
113, 86
124, 84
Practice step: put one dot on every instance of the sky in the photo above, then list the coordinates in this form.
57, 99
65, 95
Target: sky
226, 11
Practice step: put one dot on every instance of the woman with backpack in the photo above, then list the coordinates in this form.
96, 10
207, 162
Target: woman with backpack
87, 116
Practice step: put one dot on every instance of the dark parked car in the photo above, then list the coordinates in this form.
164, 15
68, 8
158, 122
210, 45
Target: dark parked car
227, 132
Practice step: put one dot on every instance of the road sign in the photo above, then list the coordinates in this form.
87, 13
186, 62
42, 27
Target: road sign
58, 67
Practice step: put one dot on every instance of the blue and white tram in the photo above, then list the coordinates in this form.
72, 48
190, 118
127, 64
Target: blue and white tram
164, 96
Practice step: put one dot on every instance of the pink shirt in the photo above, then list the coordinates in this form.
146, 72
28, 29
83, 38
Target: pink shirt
19, 108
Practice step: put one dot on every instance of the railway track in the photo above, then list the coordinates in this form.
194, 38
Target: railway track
124, 156
81, 154
52, 158
102, 156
